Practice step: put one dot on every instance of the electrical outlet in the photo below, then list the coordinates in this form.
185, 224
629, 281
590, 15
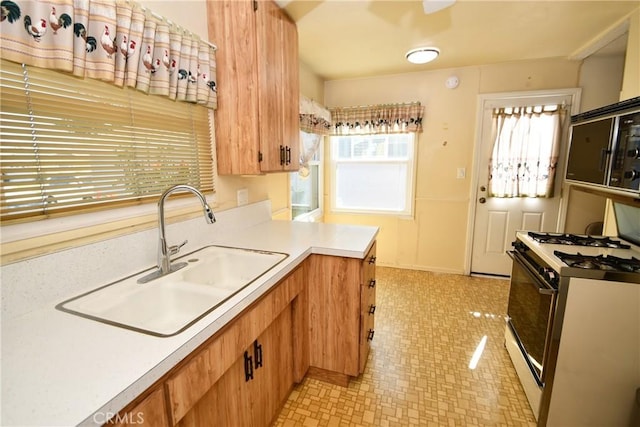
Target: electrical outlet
243, 196
461, 173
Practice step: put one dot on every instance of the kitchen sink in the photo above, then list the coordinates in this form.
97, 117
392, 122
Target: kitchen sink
170, 304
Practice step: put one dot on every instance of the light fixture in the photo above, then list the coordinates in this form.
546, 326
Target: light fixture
422, 55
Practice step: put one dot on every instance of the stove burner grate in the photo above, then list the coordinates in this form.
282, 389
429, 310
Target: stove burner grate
577, 240
600, 262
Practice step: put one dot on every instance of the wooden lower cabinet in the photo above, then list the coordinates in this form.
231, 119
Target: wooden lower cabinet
341, 312
251, 395
151, 412
317, 319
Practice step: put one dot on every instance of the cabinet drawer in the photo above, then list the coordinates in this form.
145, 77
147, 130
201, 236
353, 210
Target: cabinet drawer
192, 381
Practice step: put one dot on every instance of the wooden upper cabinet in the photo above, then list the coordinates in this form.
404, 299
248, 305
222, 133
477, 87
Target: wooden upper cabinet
257, 121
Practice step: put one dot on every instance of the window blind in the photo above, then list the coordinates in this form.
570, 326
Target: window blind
69, 144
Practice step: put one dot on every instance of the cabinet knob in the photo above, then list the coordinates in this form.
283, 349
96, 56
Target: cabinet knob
370, 335
372, 283
632, 175
372, 309
372, 260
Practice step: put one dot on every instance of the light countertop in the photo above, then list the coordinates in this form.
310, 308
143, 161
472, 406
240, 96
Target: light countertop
61, 369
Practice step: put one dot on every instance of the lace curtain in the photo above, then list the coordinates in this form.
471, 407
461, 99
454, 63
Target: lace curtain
315, 120
525, 152
116, 41
385, 119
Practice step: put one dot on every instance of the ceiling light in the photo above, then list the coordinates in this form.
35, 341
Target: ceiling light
422, 55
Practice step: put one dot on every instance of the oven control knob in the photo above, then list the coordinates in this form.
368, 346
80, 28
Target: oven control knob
549, 274
632, 175
635, 153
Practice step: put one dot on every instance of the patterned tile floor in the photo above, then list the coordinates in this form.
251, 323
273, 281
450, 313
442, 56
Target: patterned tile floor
428, 326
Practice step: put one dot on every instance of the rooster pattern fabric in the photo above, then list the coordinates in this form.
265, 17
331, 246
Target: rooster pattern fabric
120, 42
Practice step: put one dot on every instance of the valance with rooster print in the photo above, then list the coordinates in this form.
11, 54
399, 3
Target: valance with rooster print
116, 41
377, 119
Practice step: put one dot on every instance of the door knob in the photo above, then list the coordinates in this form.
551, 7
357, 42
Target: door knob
483, 188
482, 200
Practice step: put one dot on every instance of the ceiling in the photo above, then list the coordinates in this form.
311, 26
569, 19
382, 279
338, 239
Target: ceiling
341, 39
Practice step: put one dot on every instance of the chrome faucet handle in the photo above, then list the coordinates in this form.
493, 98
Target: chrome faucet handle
176, 248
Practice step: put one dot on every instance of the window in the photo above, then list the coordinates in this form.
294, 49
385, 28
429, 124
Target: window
525, 152
373, 173
306, 185
69, 145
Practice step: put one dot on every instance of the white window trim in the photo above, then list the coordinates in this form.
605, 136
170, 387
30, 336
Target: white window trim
411, 194
316, 214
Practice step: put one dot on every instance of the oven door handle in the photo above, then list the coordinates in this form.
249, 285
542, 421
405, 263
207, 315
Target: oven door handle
543, 287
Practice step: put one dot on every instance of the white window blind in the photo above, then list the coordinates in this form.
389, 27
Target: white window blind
69, 144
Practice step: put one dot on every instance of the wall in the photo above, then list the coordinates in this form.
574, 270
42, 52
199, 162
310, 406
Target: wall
311, 85
601, 80
631, 81
435, 238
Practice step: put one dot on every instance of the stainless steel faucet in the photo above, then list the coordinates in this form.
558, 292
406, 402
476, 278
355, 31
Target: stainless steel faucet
164, 251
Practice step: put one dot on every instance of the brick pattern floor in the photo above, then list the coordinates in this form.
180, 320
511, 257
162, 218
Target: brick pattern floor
428, 326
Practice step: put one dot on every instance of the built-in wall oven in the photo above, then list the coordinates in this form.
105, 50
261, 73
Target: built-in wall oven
573, 324
605, 146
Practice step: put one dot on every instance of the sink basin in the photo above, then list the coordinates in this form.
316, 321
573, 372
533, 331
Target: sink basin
170, 304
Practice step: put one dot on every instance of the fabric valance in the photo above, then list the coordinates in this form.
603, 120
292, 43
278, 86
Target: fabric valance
373, 119
117, 41
314, 118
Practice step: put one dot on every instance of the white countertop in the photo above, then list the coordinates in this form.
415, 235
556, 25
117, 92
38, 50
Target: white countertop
59, 369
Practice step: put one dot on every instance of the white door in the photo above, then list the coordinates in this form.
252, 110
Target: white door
498, 219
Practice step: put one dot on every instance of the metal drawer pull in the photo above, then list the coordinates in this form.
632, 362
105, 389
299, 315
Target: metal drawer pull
372, 309
370, 336
248, 367
372, 260
372, 283
257, 353
287, 156
281, 155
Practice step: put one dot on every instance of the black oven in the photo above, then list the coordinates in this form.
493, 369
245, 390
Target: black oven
532, 299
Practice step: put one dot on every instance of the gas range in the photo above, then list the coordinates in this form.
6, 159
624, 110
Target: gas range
593, 257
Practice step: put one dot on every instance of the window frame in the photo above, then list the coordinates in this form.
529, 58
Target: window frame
317, 160
411, 178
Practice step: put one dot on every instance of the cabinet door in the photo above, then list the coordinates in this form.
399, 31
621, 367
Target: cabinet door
270, 80
334, 313
291, 93
251, 395
232, 25
277, 41
151, 412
